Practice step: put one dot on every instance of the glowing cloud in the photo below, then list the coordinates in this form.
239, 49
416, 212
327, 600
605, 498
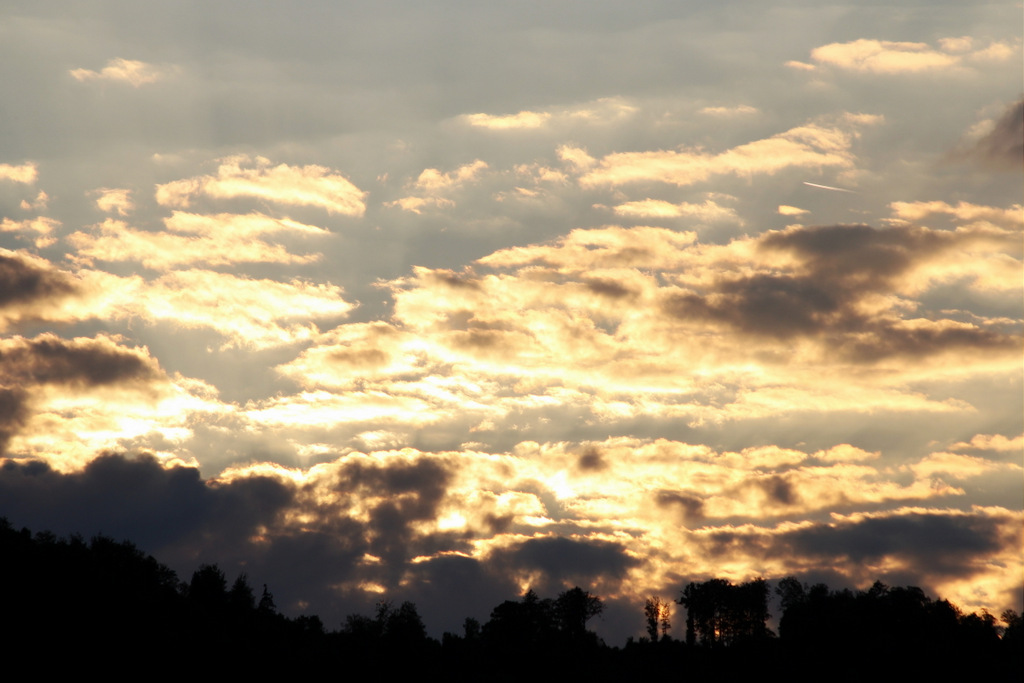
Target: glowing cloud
709, 210
810, 146
242, 176
130, 71
114, 240
889, 57
24, 173
524, 119
112, 200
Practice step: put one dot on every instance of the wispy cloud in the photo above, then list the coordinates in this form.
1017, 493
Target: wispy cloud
133, 72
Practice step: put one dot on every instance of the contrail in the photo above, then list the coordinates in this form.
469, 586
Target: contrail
829, 187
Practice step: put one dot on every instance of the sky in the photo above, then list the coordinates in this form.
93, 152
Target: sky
441, 301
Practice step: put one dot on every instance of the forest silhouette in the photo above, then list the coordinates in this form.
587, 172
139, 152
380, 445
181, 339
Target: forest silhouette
107, 605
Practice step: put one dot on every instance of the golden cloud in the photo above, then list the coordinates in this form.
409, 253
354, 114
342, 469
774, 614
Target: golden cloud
226, 243
24, 173
889, 57
433, 180
131, 71
250, 313
809, 146
524, 119
709, 210
242, 176
114, 200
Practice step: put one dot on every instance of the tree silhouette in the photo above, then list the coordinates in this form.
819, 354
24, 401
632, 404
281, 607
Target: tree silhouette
658, 615
574, 608
721, 614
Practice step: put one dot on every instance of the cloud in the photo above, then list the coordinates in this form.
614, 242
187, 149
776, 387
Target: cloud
42, 227
889, 57
785, 210
601, 111
249, 313
958, 466
113, 200
808, 146
25, 173
31, 288
994, 442
738, 110
709, 210
617, 325
243, 176
75, 396
48, 359
433, 180
133, 72
999, 142
524, 119
968, 214
417, 204
228, 239
38, 204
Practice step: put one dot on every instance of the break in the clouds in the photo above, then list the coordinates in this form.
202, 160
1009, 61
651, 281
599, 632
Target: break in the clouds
368, 312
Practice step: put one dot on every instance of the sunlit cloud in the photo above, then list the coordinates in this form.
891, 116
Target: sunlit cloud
738, 110
597, 112
114, 240
250, 313
810, 146
114, 200
959, 466
993, 442
131, 71
244, 176
418, 204
42, 228
709, 210
524, 119
37, 204
786, 210
24, 173
433, 180
1011, 218
892, 57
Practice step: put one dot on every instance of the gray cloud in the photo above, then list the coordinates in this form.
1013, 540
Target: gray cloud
565, 560
1003, 147
24, 282
841, 265
48, 359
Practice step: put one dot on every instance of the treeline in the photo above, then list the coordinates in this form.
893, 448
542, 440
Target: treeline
106, 605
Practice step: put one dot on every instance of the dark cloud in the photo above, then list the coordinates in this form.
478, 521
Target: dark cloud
779, 490
841, 264
13, 414
414, 489
691, 507
568, 561
48, 359
780, 306
23, 282
936, 544
591, 460
608, 288
1003, 146
170, 510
